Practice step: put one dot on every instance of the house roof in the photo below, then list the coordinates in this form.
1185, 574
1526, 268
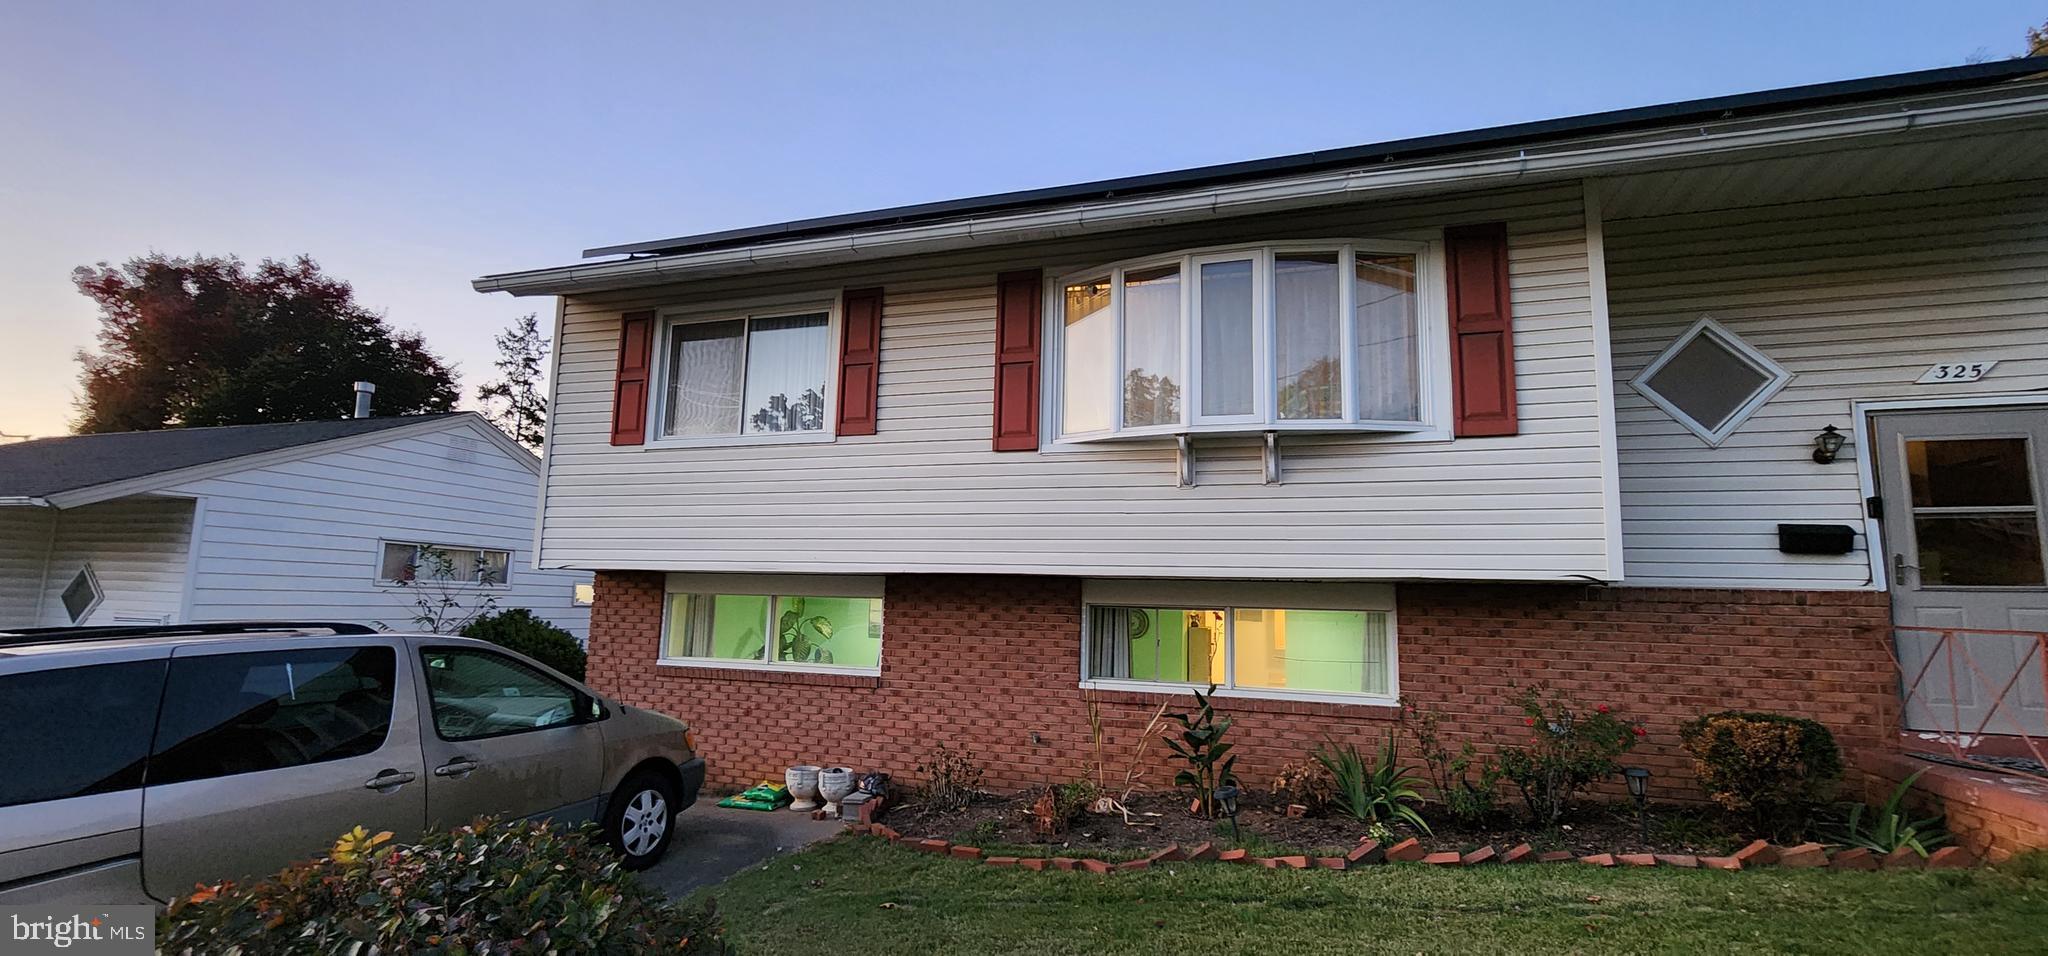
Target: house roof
49, 466
1720, 108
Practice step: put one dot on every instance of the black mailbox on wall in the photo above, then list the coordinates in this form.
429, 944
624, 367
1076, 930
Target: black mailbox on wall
1816, 538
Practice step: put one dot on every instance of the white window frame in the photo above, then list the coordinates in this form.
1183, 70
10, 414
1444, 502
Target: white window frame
745, 311
1230, 597
1777, 379
770, 586
92, 582
377, 571
1432, 345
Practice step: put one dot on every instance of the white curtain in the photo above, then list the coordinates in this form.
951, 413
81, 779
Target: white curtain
1228, 372
704, 379
1383, 306
1087, 353
1109, 642
786, 358
1307, 337
1152, 347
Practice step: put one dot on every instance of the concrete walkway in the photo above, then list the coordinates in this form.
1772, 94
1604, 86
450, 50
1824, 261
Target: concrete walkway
713, 843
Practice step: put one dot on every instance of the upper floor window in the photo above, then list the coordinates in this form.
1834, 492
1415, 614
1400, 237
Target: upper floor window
753, 374
1313, 336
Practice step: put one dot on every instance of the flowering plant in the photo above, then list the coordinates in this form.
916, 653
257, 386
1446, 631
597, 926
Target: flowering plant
1569, 749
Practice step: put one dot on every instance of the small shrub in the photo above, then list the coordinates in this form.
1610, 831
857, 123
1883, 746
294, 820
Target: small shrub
1309, 784
1889, 828
1467, 800
519, 630
1569, 750
1373, 791
1058, 806
1774, 768
951, 778
1201, 747
488, 887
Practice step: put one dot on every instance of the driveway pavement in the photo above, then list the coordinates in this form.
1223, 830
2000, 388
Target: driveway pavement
712, 843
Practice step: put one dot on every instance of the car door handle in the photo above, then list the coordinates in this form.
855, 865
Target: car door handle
388, 779
459, 767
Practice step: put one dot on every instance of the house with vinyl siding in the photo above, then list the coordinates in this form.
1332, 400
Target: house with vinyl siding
298, 521
1731, 403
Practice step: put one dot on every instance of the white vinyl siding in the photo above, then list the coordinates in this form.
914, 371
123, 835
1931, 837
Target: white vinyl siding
137, 547
302, 540
24, 544
927, 494
1856, 298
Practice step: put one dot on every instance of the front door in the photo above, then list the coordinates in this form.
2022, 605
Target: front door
1962, 491
506, 740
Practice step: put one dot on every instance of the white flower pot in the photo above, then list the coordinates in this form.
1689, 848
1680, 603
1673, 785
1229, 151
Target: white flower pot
803, 786
834, 783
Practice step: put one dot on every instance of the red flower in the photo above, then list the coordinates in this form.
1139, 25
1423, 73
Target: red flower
1602, 708
1531, 721
1640, 732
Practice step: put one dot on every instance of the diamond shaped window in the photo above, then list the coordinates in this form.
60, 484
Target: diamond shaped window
1710, 380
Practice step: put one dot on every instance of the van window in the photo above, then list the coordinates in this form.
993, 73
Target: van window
481, 694
226, 714
76, 731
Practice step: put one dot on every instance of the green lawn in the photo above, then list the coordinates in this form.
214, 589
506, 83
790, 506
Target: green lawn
834, 898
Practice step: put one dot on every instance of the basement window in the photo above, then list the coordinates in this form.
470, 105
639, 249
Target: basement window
1710, 381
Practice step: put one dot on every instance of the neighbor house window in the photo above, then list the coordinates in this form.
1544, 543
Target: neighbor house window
1301, 336
1710, 381
409, 562
773, 630
82, 595
1262, 650
750, 375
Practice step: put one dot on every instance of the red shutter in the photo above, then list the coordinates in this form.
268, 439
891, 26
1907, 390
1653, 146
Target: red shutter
1018, 299
629, 391
860, 358
1482, 333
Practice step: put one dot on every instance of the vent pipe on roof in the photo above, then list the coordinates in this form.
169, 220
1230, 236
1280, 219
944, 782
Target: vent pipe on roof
363, 392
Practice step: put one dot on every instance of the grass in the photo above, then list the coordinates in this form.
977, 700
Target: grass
861, 895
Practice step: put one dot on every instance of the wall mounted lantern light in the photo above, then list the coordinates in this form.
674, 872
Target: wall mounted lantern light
1827, 444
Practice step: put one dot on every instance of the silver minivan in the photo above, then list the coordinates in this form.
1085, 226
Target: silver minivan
136, 763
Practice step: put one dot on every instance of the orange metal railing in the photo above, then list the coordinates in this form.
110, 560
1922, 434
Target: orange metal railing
1964, 655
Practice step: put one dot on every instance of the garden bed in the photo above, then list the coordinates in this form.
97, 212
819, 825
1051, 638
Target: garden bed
1162, 819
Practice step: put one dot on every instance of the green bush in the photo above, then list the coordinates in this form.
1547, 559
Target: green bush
1373, 791
1569, 749
489, 887
1889, 827
518, 629
1774, 768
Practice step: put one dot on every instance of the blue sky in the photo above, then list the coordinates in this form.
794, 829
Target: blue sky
411, 147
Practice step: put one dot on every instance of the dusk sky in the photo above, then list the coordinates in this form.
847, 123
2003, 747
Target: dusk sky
412, 147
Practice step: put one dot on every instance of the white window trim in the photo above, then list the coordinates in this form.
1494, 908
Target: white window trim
1432, 347
1227, 597
1778, 379
769, 585
667, 319
92, 581
377, 569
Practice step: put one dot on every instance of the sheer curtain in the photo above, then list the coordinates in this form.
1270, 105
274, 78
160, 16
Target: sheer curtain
786, 358
1087, 351
1307, 337
1383, 303
1109, 642
704, 379
1227, 351
1152, 346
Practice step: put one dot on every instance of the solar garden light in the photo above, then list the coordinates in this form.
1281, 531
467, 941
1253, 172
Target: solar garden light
1226, 800
1639, 791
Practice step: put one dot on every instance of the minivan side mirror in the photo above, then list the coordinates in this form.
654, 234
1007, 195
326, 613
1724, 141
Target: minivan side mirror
589, 710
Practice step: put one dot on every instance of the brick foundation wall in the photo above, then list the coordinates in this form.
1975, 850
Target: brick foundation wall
1995, 815
990, 664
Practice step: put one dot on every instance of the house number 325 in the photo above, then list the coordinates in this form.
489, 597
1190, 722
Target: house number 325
1956, 372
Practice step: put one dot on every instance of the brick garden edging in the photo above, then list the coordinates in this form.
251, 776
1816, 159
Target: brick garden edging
1368, 852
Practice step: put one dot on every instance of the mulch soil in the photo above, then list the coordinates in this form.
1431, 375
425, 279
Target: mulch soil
1159, 819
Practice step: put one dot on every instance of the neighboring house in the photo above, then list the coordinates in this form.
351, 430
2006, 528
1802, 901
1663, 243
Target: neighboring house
300, 521
1428, 420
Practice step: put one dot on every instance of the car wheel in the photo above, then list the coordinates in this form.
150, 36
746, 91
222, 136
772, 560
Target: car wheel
642, 819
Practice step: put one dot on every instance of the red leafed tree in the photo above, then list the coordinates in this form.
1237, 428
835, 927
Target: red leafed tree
211, 341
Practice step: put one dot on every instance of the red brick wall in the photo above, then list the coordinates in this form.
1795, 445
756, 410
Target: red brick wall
991, 663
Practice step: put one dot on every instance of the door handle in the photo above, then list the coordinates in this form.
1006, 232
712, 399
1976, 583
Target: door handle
388, 779
459, 767
1900, 567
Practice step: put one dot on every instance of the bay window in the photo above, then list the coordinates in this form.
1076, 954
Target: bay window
1311, 336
